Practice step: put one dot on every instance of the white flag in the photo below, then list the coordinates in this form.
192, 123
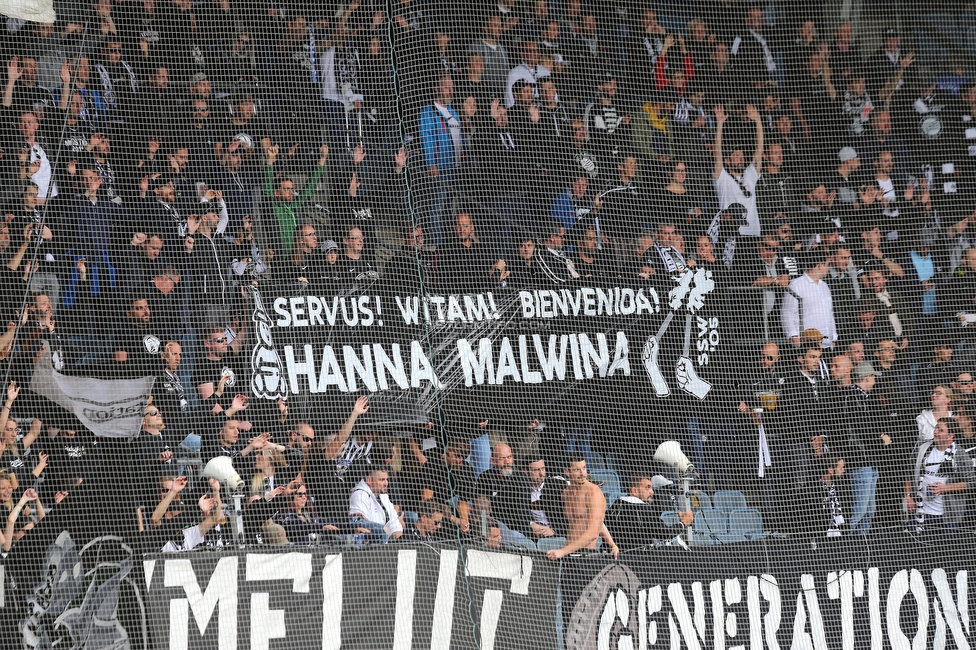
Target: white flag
111, 408
38, 11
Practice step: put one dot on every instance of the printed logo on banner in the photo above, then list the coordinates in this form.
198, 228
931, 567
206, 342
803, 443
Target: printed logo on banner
838, 609
56, 618
267, 370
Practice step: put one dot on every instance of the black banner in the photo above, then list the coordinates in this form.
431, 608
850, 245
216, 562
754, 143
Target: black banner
886, 591
400, 596
521, 351
856, 593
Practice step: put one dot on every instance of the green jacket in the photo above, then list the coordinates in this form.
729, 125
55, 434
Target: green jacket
286, 214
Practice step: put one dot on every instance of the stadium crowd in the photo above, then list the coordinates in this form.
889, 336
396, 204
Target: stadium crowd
160, 156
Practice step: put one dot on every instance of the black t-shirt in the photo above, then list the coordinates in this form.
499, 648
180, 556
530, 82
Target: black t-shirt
171, 397
599, 269
12, 291
448, 484
510, 498
356, 275
405, 273
816, 104
209, 371
211, 448
461, 269
143, 346
67, 455
227, 131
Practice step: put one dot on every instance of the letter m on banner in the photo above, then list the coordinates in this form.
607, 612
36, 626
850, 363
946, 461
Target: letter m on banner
220, 594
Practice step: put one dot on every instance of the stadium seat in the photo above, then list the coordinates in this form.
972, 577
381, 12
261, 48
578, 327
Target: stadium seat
729, 500
711, 521
711, 525
610, 483
550, 543
700, 500
595, 463
670, 517
712, 528
746, 521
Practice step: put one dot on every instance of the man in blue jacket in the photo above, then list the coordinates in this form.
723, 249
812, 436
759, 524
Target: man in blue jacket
442, 138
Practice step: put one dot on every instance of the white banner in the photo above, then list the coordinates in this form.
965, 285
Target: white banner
111, 408
38, 11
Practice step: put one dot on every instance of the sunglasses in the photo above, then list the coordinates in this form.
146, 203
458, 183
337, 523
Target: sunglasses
152, 413
219, 339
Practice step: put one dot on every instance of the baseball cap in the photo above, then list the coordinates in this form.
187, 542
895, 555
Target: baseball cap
330, 245
847, 153
865, 369
198, 77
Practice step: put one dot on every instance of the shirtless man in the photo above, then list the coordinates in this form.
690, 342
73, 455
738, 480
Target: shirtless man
585, 508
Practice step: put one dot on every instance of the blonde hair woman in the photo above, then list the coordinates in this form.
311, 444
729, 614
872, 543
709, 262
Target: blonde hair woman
266, 462
926, 420
19, 516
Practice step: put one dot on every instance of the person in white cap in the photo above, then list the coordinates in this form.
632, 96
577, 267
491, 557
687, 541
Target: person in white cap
845, 181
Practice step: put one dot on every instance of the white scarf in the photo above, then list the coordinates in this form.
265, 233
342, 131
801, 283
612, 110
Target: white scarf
767, 53
885, 299
765, 458
454, 127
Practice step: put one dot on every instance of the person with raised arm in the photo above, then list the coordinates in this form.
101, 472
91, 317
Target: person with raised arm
734, 181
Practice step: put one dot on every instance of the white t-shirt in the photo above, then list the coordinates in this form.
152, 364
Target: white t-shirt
192, 537
377, 510
889, 194
43, 177
932, 504
731, 190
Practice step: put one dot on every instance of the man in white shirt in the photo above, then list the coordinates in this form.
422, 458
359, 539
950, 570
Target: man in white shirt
370, 507
818, 307
734, 182
937, 492
528, 71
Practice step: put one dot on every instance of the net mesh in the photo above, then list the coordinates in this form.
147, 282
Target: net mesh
416, 323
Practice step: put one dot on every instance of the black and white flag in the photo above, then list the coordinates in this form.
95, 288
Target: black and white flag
111, 408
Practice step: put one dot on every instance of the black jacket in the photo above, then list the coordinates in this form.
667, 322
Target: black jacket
865, 422
551, 503
510, 498
634, 523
